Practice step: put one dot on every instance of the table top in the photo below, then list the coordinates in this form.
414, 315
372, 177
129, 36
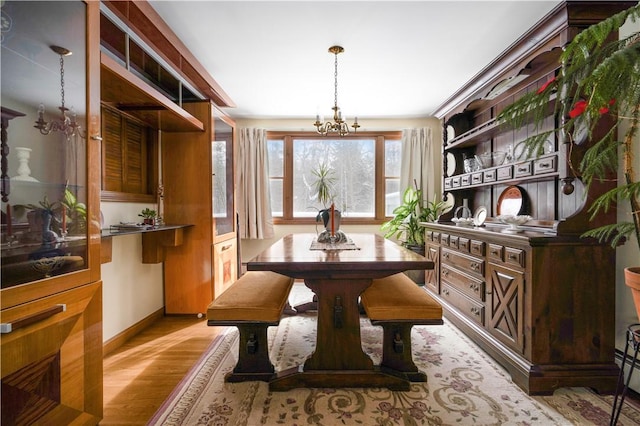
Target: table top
376, 257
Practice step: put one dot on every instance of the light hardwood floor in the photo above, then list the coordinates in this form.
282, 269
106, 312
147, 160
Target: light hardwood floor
140, 375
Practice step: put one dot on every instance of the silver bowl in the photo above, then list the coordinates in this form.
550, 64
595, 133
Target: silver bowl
491, 159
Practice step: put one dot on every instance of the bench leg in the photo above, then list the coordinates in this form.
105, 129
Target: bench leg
396, 351
253, 355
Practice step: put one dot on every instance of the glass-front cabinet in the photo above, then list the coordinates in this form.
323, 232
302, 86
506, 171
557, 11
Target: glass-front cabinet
51, 304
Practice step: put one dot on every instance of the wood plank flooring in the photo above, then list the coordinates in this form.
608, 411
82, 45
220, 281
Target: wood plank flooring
141, 374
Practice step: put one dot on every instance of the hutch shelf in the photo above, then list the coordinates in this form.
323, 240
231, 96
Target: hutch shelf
539, 298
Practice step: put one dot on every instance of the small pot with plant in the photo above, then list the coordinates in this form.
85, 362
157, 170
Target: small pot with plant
597, 85
148, 216
323, 188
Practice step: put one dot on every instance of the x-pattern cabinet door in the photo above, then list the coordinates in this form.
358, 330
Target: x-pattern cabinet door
506, 305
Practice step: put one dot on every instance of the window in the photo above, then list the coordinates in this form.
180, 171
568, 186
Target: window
365, 168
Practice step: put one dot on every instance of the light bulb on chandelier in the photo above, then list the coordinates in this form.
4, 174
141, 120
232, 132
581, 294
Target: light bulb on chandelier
339, 124
67, 123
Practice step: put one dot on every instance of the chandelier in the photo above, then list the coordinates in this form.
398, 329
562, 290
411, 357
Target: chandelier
66, 123
338, 125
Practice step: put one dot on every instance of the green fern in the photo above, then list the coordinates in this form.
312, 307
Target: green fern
599, 76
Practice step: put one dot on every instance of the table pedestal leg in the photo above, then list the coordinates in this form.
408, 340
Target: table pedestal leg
338, 360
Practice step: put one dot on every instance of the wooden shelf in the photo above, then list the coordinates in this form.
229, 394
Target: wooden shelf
154, 241
129, 93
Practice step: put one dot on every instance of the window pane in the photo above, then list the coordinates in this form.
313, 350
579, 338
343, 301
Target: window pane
353, 169
275, 186
275, 151
392, 157
391, 196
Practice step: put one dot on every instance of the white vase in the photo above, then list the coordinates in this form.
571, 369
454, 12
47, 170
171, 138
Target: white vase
24, 172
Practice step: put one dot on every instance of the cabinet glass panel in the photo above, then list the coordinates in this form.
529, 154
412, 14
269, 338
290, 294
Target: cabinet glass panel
44, 191
222, 161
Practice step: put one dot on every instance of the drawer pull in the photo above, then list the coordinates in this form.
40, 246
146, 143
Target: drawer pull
445, 255
475, 287
445, 291
495, 253
475, 266
475, 311
8, 327
513, 257
445, 272
227, 247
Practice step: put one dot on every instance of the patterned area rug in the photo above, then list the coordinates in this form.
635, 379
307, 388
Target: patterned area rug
464, 387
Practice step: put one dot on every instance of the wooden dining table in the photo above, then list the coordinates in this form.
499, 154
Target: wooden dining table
337, 274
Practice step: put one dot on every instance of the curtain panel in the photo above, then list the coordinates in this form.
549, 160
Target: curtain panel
254, 200
419, 161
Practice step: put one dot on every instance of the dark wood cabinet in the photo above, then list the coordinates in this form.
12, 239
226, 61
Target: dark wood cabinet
540, 299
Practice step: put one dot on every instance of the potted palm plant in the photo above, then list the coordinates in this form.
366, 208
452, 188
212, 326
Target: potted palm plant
598, 83
405, 224
323, 187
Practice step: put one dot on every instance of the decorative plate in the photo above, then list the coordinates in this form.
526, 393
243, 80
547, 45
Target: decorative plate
480, 216
511, 201
451, 133
451, 164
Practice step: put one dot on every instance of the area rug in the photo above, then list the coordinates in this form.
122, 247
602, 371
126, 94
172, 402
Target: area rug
464, 387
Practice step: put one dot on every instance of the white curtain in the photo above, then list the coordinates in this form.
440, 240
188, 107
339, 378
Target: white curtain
419, 161
254, 207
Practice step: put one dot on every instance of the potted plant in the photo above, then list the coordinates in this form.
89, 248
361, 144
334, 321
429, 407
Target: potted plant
598, 83
323, 191
148, 216
405, 225
73, 212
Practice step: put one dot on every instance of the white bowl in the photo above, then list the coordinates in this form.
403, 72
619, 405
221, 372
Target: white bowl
514, 221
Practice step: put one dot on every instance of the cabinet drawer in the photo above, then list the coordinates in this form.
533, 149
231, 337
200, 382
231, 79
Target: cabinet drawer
471, 309
477, 247
523, 169
489, 176
544, 165
463, 244
496, 253
476, 178
455, 182
507, 255
466, 180
453, 241
448, 183
470, 286
463, 262
514, 256
444, 239
505, 173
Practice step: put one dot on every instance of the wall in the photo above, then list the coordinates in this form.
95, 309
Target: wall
627, 255
131, 290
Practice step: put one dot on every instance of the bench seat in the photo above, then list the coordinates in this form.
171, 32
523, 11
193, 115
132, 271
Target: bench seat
252, 303
397, 304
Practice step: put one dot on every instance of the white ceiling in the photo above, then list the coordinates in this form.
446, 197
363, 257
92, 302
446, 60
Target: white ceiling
402, 59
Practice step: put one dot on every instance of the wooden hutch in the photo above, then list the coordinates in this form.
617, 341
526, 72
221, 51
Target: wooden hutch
539, 299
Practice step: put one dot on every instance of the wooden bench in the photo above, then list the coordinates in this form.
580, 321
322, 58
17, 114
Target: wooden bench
252, 303
397, 304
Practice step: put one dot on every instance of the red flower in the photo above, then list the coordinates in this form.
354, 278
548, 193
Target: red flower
547, 84
578, 108
605, 109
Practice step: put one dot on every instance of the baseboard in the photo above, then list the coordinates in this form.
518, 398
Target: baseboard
120, 339
634, 385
